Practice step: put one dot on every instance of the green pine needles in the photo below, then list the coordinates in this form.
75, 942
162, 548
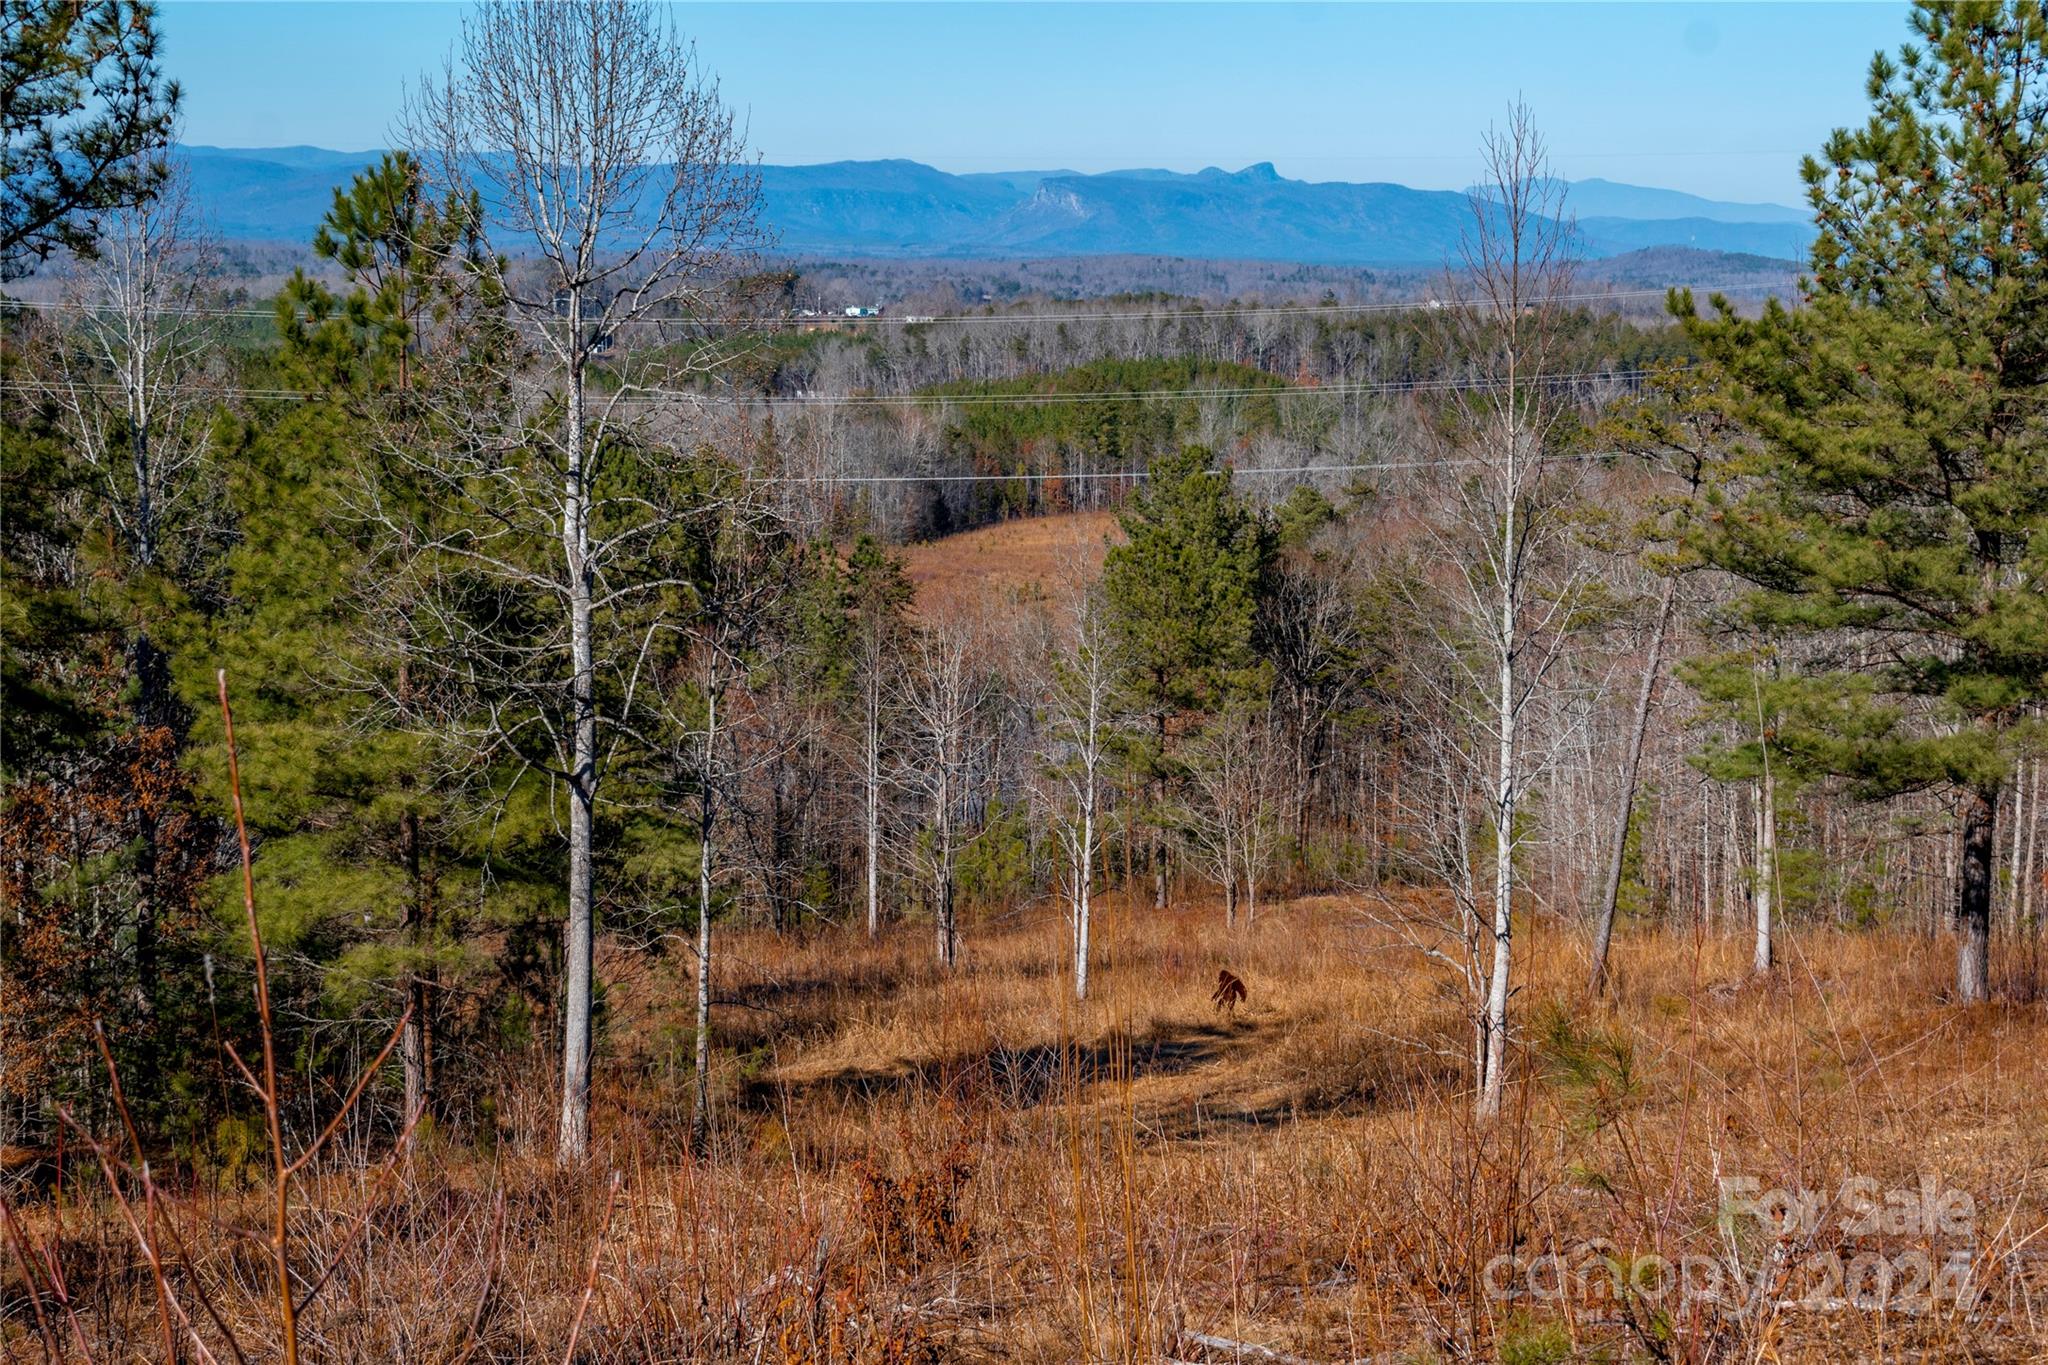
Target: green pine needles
1892, 508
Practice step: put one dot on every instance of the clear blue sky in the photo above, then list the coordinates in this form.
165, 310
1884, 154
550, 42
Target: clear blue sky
1717, 99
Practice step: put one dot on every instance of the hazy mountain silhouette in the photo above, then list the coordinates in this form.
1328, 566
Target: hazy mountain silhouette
905, 208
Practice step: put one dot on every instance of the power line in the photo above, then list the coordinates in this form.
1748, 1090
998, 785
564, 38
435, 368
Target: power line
1090, 476
1085, 476
653, 398
105, 389
1338, 389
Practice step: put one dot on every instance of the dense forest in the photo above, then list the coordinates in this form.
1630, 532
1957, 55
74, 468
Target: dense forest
403, 672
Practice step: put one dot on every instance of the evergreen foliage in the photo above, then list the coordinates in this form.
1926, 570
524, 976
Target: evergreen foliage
84, 116
1894, 501
1183, 588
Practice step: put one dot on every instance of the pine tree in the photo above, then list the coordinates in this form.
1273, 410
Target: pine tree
83, 110
1183, 593
346, 782
1894, 502
395, 247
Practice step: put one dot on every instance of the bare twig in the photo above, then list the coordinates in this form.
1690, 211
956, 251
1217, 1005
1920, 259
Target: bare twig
28, 1280
590, 1277
281, 1202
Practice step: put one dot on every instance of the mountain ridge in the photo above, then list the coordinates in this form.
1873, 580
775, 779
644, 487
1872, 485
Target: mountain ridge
903, 208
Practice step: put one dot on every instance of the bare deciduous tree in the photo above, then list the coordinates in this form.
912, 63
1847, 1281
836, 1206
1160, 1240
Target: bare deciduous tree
874, 659
741, 576
1678, 432
130, 361
1079, 730
609, 169
879, 595
948, 697
1233, 818
1312, 633
1505, 596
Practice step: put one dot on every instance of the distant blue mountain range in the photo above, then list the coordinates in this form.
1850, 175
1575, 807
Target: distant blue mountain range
907, 209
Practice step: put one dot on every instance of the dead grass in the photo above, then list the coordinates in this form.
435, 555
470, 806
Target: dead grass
919, 1167
1010, 561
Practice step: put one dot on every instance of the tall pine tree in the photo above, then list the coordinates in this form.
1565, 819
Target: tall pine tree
355, 802
1893, 506
1183, 593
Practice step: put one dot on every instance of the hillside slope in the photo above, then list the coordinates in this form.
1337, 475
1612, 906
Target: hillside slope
1024, 559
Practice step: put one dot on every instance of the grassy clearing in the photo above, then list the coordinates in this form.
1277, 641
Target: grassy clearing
916, 1167
1022, 559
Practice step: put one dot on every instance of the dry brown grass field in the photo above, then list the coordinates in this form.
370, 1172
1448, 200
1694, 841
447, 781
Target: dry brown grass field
1026, 556
911, 1166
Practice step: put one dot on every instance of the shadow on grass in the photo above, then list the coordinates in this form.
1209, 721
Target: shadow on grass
1013, 1077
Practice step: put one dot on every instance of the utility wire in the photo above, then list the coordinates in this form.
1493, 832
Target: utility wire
1390, 466
665, 397
1339, 389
